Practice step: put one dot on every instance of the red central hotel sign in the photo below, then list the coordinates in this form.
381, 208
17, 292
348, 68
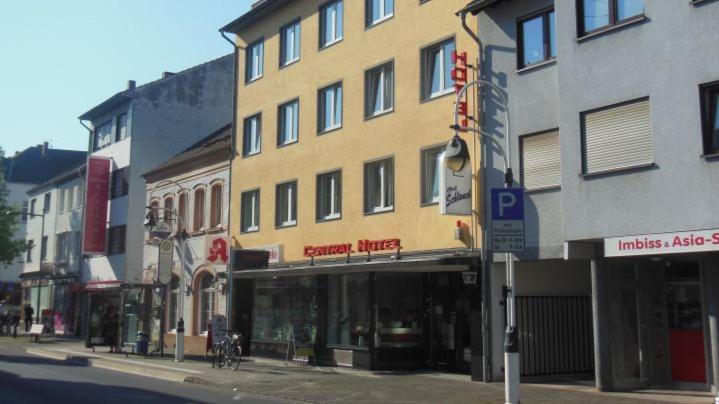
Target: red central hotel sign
98, 185
389, 244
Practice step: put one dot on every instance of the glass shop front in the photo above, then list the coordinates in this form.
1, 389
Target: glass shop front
371, 320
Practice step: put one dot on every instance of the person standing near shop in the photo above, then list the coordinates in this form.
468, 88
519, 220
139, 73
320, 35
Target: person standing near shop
29, 312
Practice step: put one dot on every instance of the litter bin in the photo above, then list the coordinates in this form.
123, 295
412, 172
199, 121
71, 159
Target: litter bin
142, 342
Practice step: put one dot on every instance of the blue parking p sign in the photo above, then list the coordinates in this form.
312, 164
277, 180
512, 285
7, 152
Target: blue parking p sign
507, 204
507, 219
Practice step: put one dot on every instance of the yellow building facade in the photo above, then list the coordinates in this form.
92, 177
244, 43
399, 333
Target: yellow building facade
289, 53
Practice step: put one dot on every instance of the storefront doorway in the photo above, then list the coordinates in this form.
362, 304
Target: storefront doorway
446, 315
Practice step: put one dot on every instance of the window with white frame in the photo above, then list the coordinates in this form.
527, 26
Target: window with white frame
207, 301
216, 205
182, 203
379, 10
617, 137
379, 186
70, 196
437, 69
286, 204
102, 136
540, 159
329, 196
330, 107
431, 170
250, 214
199, 210
254, 61
169, 207
121, 131
331, 21
289, 43
252, 135
379, 90
79, 195
62, 247
289, 116
61, 201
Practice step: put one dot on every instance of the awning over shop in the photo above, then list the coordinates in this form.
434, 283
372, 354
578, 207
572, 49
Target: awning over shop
439, 263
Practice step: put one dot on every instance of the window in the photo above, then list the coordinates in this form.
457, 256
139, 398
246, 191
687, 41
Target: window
70, 194
173, 298
23, 217
437, 70
379, 90
379, 186
617, 137
286, 204
254, 61
32, 205
199, 213
61, 201
252, 135
348, 310
378, 11
182, 201
121, 131
62, 247
43, 248
597, 14
286, 305
250, 215
329, 196
540, 161
330, 107
154, 209
290, 43
399, 306
28, 253
167, 212
46, 203
102, 136
537, 39
331, 20
79, 195
207, 301
120, 183
216, 206
431, 167
116, 240
710, 117
289, 115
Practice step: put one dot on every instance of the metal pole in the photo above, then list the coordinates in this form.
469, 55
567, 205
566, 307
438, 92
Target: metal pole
180, 334
511, 343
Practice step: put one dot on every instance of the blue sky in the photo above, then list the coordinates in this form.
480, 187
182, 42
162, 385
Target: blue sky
59, 58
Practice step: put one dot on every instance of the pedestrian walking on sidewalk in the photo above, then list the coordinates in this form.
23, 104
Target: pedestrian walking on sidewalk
14, 323
29, 312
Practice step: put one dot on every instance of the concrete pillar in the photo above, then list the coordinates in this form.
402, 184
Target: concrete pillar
711, 280
600, 318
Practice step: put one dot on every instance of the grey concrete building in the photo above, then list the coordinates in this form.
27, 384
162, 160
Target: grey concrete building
139, 128
614, 137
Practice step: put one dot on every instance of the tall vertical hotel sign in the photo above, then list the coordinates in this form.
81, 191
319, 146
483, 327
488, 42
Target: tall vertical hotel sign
96, 193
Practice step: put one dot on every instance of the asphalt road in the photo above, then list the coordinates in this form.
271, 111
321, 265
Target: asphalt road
31, 379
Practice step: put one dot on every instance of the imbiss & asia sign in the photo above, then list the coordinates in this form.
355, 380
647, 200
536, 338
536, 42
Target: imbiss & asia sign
390, 244
664, 243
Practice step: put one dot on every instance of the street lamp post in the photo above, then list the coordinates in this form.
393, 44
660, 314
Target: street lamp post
180, 329
457, 155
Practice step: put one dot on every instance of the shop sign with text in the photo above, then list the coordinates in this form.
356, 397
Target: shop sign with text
455, 190
663, 243
96, 199
217, 250
390, 244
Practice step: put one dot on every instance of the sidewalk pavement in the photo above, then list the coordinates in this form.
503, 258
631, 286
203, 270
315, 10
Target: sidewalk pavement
302, 383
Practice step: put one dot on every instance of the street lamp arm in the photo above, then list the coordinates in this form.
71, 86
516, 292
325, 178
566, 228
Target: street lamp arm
507, 149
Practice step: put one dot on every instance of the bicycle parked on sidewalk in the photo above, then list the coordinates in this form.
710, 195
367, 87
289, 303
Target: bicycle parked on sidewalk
227, 352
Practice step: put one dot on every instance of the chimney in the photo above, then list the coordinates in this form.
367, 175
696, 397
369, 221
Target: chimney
45, 147
130, 85
167, 74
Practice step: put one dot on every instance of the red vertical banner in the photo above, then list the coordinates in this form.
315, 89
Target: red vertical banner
96, 192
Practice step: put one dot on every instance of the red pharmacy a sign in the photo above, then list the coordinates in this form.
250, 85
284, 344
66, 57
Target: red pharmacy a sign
96, 192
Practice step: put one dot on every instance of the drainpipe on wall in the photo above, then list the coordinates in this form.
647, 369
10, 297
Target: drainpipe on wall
229, 295
486, 258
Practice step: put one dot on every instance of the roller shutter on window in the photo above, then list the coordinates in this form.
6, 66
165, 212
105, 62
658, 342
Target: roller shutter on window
618, 137
541, 161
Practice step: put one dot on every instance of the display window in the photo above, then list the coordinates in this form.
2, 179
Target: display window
398, 310
348, 314
285, 307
